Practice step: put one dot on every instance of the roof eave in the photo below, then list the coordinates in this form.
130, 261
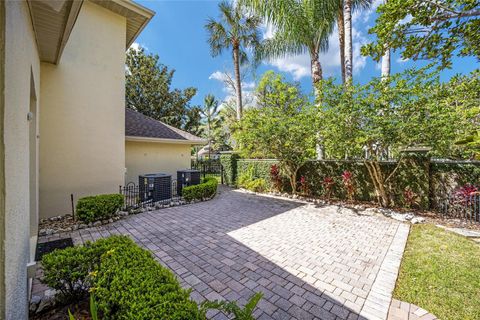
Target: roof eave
163, 140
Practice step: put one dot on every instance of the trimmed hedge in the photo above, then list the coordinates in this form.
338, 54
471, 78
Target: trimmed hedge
98, 207
130, 284
204, 190
229, 164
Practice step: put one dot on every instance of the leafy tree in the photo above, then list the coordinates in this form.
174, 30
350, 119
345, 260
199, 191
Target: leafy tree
432, 29
235, 30
281, 127
376, 120
148, 90
300, 26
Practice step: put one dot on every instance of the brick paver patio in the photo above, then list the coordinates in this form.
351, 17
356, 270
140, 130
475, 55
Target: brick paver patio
310, 262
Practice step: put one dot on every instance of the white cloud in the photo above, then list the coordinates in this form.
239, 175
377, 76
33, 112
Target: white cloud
136, 46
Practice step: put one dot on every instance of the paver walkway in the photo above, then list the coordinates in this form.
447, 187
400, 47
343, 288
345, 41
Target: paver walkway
310, 262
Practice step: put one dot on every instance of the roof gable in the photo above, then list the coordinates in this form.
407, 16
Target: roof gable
140, 125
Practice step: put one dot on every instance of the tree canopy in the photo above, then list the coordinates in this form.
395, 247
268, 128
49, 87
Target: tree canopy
433, 29
148, 90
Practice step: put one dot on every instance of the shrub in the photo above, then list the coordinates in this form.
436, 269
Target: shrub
66, 271
256, 185
98, 207
204, 190
130, 284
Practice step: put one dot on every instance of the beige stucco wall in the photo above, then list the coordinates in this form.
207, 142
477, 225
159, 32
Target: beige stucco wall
82, 124
154, 157
21, 71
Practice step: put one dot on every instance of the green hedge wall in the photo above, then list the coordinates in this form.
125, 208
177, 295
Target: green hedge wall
431, 180
229, 164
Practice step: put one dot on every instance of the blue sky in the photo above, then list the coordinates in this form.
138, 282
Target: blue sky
177, 35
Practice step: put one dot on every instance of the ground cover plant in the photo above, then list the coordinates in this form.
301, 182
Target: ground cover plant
440, 273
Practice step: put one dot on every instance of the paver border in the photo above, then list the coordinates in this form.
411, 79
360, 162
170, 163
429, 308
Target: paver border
378, 301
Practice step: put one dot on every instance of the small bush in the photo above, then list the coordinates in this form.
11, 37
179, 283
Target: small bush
256, 185
66, 271
204, 190
98, 207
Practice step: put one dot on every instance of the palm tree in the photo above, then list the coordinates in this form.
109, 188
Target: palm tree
209, 112
348, 7
235, 30
357, 4
300, 26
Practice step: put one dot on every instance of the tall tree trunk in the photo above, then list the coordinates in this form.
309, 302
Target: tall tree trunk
347, 14
238, 81
341, 40
316, 72
386, 64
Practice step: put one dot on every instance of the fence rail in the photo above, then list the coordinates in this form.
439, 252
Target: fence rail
209, 168
134, 199
462, 207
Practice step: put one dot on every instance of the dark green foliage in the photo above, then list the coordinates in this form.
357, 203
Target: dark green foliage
204, 190
66, 271
148, 90
98, 207
229, 164
130, 284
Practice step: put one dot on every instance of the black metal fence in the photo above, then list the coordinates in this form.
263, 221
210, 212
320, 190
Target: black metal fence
465, 207
136, 198
209, 168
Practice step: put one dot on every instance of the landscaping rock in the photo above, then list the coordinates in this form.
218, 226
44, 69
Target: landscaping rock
417, 220
47, 301
96, 223
82, 226
34, 302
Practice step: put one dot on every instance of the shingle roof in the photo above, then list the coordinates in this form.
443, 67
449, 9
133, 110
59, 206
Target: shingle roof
139, 125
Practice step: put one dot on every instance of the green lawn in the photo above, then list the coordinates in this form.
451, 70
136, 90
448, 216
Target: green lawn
440, 272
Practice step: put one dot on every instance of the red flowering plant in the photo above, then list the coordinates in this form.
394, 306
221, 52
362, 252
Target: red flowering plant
410, 198
328, 184
347, 179
276, 177
304, 189
464, 194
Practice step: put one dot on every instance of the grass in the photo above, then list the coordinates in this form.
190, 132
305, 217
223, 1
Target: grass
440, 272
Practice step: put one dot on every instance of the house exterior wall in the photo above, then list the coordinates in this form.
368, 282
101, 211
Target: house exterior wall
153, 157
82, 124
22, 81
